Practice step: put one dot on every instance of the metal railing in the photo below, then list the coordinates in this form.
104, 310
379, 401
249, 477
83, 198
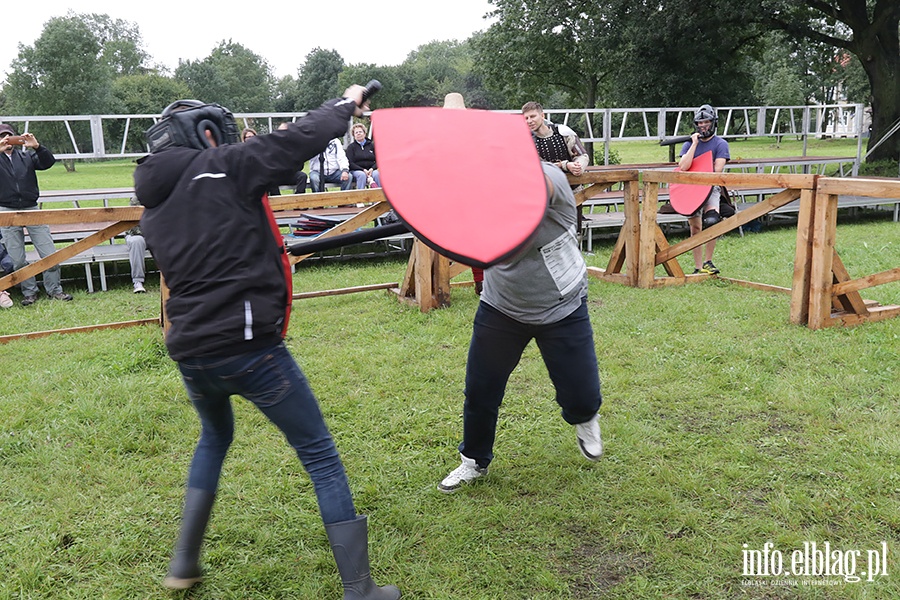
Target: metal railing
122, 136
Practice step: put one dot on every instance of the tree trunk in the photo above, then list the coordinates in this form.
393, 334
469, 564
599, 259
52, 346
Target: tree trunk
884, 78
69, 164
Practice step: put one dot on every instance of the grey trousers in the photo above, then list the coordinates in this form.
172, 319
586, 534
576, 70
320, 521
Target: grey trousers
14, 240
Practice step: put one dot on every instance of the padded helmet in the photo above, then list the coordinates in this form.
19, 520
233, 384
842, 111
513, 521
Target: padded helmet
706, 113
184, 123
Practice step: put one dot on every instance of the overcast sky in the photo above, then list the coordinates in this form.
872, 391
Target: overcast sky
381, 32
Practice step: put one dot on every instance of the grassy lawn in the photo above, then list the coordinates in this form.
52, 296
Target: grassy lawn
725, 428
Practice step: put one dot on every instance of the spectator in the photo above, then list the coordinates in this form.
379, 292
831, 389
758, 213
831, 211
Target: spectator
333, 162
556, 144
206, 214
540, 294
361, 157
704, 140
137, 248
19, 191
6, 263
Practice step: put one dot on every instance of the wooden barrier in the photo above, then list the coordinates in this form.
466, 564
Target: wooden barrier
822, 292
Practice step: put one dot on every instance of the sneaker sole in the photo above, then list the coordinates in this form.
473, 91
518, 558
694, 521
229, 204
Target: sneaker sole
449, 490
588, 456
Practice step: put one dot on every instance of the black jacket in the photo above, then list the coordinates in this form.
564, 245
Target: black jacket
361, 158
18, 181
213, 236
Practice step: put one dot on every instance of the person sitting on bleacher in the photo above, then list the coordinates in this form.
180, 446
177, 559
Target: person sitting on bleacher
19, 191
333, 162
361, 156
137, 247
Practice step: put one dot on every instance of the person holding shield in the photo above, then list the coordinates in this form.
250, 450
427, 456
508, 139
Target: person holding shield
704, 140
540, 294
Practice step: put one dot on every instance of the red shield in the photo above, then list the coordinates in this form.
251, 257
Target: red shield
468, 183
686, 198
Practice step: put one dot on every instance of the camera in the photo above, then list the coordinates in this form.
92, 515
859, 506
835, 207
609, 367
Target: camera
15, 140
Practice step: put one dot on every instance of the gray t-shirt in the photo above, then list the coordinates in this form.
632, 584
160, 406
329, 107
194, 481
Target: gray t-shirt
545, 282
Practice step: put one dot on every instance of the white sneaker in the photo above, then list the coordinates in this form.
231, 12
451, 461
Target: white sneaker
139, 288
5, 300
589, 440
467, 472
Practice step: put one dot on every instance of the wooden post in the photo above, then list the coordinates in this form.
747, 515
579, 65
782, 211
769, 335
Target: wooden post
427, 279
821, 261
163, 298
803, 259
647, 253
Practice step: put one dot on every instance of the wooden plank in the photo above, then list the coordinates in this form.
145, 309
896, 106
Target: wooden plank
799, 307
671, 266
342, 291
850, 301
63, 254
617, 258
866, 282
741, 218
72, 215
648, 226
84, 329
763, 287
732, 179
352, 224
821, 273
323, 199
631, 229
860, 186
879, 313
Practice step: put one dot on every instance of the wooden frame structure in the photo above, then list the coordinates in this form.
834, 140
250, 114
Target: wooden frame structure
823, 294
822, 291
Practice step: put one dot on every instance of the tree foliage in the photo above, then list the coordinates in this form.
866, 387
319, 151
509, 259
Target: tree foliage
62, 73
318, 78
866, 28
232, 76
147, 94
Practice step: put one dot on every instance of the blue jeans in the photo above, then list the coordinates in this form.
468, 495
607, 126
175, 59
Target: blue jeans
498, 341
333, 177
42, 240
270, 379
360, 178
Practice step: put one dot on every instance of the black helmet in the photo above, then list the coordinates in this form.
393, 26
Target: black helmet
706, 113
184, 122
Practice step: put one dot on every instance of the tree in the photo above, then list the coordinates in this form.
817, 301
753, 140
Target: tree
232, 76
122, 47
869, 30
62, 74
537, 45
141, 94
147, 94
318, 78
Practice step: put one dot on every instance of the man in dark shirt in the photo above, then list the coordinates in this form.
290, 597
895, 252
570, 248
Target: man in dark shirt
19, 191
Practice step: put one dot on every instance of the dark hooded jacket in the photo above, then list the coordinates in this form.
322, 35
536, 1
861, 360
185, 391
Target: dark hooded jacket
208, 225
18, 180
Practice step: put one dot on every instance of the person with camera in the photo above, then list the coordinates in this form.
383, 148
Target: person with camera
208, 223
19, 191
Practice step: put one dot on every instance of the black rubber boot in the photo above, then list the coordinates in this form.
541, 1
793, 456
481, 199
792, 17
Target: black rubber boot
184, 568
350, 544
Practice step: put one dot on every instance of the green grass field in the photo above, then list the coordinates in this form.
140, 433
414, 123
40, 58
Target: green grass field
725, 428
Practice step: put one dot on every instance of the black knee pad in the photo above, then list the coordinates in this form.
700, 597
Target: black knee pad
710, 218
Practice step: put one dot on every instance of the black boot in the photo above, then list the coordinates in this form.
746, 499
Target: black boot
184, 569
350, 544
